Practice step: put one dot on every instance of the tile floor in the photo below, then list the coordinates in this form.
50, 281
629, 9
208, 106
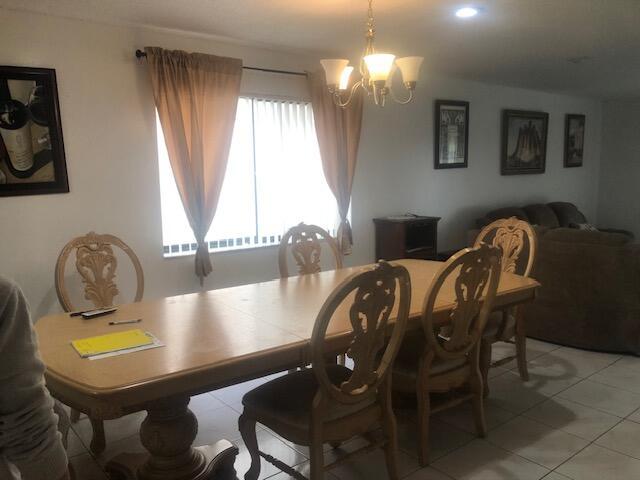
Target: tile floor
578, 417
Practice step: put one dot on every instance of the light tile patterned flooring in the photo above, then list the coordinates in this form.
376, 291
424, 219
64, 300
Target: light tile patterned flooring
578, 417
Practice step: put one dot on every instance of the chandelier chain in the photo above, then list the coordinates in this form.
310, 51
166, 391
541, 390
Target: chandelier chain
369, 48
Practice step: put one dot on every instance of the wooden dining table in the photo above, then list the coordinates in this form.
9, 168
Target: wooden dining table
212, 339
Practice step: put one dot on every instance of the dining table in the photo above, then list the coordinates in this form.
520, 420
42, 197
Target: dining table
212, 339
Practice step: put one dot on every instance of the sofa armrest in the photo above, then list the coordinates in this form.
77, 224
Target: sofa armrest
617, 230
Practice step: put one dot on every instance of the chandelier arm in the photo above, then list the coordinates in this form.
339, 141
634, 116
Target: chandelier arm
363, 84
337, 99
401, 102
378, 96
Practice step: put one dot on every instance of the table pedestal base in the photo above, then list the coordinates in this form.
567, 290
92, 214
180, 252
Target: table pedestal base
219, 459
168, 433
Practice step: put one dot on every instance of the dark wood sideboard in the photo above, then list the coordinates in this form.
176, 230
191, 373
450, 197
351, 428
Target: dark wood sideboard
405, 236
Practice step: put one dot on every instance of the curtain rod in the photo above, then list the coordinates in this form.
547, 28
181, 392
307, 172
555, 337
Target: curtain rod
140, 54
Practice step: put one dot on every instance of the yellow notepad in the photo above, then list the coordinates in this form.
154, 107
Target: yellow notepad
112, 342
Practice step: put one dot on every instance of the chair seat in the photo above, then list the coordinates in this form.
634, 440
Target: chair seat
494, 328
286, 402
438, 367
405, 368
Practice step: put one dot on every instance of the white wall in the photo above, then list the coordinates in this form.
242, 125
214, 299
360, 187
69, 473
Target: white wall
396, 160
619, 206
109, 133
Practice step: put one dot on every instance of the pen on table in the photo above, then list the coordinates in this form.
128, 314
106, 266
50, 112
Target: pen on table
125, 322
93, 313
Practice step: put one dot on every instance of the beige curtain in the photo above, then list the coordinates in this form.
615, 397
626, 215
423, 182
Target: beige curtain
338, 131
196, 96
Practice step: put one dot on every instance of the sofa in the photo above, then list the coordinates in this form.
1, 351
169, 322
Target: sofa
590, 280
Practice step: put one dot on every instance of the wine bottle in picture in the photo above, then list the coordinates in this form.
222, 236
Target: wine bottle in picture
15, 128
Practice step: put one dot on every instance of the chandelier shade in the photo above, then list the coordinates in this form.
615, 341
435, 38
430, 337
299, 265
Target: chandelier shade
344, 78
409, 68
333, 69
379, 66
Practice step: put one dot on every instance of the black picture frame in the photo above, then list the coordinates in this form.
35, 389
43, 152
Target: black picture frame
40, 168
442, 106
524, 142
574, 130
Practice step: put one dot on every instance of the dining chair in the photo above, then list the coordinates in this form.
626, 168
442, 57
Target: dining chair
330, 403
519, 244
441, 365
305, 244
96, 263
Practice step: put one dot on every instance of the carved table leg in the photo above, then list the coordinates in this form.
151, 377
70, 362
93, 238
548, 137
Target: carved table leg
168, 433
98, 439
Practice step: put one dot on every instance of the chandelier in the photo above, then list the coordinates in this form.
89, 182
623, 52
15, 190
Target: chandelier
376, 70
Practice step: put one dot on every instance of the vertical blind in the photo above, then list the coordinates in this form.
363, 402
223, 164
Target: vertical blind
274, 180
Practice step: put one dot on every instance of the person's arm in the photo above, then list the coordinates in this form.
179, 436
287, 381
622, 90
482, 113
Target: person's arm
29, 438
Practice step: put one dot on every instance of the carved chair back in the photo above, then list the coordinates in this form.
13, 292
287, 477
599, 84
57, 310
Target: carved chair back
374, 292
96, 263
475, 273
517, 239
304, 241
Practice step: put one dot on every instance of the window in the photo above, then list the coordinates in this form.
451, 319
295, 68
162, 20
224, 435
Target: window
274, 180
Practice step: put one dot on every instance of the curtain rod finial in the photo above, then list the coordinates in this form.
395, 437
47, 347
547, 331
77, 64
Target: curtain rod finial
140, 54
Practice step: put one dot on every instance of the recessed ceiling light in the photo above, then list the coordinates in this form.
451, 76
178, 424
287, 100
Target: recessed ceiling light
466, 12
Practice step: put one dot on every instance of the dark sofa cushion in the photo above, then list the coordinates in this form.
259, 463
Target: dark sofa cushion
567, 213
507, 212
573, 235
541, 214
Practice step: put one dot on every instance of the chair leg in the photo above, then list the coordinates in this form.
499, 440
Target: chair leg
75, 415
98, 440
317, 460
485, 364
391, 432
521, 348
247, 427
478, 403
424, 412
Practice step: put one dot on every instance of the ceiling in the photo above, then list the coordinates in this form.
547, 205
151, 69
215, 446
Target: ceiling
586, 47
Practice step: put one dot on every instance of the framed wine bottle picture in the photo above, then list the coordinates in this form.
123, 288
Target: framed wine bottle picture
32, 159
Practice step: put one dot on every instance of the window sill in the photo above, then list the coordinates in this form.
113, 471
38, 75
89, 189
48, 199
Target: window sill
227, 250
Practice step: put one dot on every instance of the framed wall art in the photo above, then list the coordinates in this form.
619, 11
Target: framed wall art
524, 142
32, 159
574, 140
451, 137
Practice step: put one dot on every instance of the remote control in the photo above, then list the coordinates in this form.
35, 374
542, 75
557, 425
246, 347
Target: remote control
97, 313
